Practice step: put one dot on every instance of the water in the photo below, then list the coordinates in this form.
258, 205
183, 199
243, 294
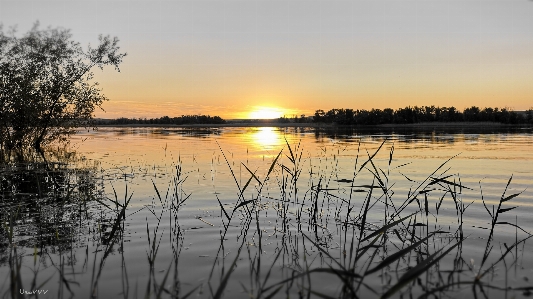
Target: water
143, 155
206, 167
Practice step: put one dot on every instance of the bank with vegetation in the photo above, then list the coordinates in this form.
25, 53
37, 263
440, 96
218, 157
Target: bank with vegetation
165, 120
409, 115
414, 115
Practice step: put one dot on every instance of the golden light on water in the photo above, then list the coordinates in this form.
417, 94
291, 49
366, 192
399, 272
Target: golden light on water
266, 113
267, 138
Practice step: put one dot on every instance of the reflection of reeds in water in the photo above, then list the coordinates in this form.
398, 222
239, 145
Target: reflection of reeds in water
327, 237
49, 207
402, 255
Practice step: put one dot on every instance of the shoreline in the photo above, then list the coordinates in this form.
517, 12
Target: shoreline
425, 125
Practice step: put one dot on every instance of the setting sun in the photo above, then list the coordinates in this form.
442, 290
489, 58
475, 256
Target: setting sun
265, 113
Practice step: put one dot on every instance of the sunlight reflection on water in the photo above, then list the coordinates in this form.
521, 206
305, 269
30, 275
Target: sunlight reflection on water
266, 137
152, 153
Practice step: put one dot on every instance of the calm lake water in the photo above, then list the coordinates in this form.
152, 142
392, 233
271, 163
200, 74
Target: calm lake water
295, 225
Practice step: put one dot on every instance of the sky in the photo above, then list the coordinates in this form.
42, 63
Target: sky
265, 58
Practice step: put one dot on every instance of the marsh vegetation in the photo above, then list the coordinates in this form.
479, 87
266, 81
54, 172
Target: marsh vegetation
350, 220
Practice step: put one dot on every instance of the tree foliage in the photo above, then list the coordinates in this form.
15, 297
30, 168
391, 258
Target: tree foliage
411, 115
165, 120
46, 85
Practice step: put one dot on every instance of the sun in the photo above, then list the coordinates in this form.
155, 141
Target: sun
265, 113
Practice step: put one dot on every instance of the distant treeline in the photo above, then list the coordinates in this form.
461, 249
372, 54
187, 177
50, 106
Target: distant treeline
165, 120
409, 115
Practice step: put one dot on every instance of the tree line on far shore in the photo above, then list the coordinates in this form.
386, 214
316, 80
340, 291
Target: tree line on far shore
410, 115
407, 115
165, 120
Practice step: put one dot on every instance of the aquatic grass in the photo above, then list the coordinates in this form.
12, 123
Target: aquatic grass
328, 237
367, 233
50, 210
350, 278
172, 203
109, 239
57, 217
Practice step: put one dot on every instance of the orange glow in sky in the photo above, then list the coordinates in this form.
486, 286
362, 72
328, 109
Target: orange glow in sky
266, 59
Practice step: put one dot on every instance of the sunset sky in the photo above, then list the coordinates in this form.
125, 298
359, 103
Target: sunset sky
230, 58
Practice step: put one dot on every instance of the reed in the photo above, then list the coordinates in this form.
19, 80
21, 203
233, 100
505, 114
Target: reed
302, 231
366, 249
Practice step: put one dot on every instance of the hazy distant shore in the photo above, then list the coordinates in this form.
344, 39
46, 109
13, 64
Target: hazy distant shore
236, 124
321, 125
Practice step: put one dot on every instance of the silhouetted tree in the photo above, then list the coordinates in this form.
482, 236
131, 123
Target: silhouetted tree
165, 120
487, 114
319, 116
409, 115
529, 116
46, 85
471, 114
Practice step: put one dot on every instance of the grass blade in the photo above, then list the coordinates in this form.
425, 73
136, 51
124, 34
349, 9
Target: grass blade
418, 270
252, 173
224, 281
386, 227
506, 210
273, 164
510, 197
223, 210
391, 258
373, 155
243, 204
290, 151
